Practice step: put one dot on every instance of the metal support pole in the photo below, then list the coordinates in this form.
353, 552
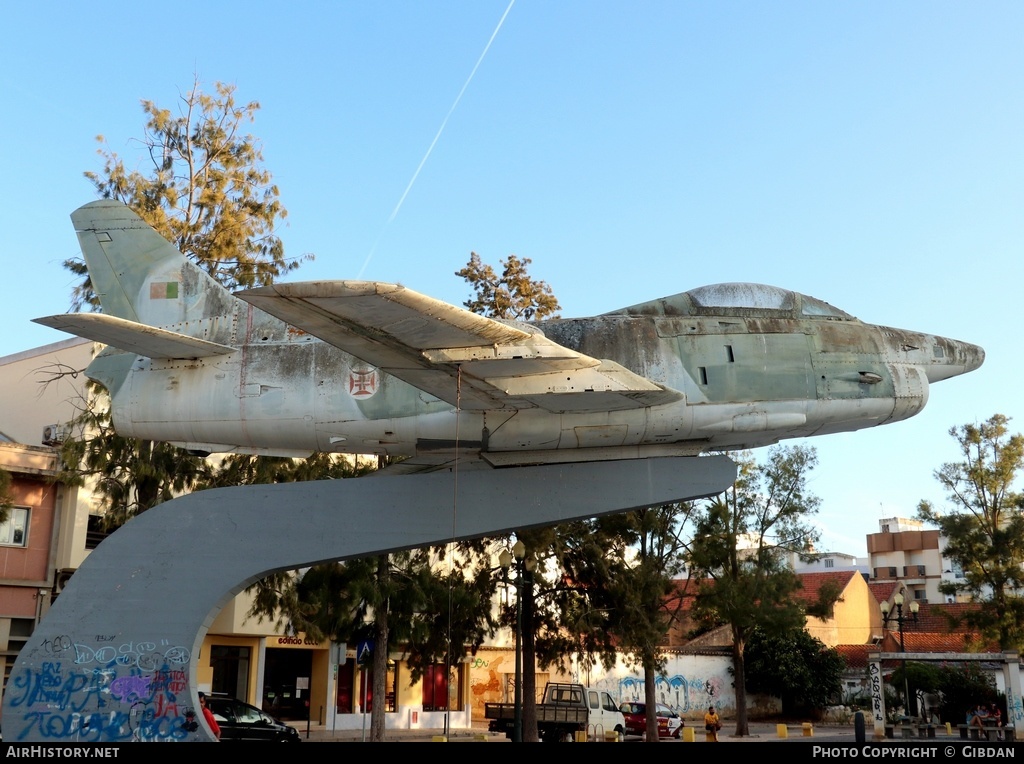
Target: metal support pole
517, 729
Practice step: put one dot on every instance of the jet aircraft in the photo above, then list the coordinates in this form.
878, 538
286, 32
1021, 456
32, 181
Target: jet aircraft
367, 367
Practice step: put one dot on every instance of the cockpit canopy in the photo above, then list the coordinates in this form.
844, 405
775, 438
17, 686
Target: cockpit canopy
742, 299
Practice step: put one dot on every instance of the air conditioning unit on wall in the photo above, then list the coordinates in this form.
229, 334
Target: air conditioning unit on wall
55, 434
61, 579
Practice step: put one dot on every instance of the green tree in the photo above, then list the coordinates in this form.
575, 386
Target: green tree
795, 667
417, 599
916, 680
984, 527
328, 600
127, 475
541, 635
414, 599
6, 497
205, 188
245, 469
962, 688
514, 295
739, 547
627, 565
562, 614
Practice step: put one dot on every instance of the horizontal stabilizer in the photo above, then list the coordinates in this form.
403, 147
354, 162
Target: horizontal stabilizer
134, 337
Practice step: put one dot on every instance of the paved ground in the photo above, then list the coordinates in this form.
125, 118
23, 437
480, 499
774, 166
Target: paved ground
759, 733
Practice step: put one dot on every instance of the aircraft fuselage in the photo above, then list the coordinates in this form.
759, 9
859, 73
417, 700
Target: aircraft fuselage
367, 367
748, 381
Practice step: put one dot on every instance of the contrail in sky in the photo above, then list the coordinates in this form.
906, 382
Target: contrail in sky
437, 137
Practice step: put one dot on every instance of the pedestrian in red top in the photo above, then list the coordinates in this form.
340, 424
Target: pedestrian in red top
208, 715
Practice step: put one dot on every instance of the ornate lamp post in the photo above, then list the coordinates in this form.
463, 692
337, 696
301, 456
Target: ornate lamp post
900, 619
505, 561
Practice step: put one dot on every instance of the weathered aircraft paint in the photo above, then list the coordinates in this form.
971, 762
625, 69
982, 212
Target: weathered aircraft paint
366, 367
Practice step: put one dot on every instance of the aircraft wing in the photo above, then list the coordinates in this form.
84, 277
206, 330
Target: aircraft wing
457, 356
132, 336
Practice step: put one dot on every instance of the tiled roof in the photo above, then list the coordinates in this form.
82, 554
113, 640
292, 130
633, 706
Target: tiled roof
811, 583
936, 629
884, 591
943, 617
933, 642
685, 590
856, 655
914, 642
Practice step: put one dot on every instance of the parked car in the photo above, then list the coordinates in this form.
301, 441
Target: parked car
240, 721
635, 714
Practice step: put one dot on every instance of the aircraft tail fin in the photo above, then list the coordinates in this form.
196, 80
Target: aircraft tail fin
138, 275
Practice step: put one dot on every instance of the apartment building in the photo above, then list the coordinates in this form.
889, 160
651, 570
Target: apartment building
908, 553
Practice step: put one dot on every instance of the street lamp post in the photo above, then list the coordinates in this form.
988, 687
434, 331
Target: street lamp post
505, 560
900, 619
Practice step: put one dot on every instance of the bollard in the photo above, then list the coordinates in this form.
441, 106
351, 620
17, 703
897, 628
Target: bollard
782, 731
689, 734
858, 727
808, 729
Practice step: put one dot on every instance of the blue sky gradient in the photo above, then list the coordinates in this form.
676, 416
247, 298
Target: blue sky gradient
867, 154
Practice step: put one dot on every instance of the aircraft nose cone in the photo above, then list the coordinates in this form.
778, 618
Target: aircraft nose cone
952, 358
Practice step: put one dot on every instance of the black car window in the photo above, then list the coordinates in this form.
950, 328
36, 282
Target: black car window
248, 714
221, 710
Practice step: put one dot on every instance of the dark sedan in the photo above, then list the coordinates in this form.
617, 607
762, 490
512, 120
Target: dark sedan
240, 721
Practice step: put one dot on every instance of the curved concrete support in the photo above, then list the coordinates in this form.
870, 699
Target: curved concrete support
112, 660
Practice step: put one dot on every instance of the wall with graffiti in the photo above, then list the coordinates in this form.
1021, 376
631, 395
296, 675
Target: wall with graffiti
689, 684
105, 691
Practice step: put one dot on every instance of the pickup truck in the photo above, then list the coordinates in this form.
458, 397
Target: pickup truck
565, 710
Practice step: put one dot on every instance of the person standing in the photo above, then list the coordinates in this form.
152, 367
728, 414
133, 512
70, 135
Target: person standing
208, 715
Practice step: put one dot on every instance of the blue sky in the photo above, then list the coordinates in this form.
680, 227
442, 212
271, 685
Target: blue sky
868, 154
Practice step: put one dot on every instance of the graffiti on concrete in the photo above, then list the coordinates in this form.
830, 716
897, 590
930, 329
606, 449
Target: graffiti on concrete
105, 692
875, 677
683, 694
1015, 709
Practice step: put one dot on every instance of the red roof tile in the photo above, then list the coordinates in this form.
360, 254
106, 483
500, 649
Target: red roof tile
856, 655
811, 583
884, 591
932, 642
943, 617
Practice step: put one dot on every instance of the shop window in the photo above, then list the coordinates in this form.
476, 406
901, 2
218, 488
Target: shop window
442, 692
347, 703
230, 671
